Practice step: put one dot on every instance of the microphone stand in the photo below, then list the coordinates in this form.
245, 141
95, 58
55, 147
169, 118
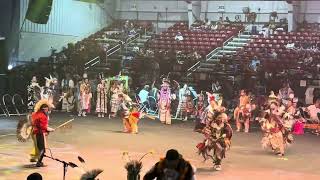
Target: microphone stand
65, 165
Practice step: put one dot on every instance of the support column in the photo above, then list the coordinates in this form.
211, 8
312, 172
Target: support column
290, 17
190, 16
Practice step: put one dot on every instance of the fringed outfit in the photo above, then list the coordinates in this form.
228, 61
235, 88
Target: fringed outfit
218, 134
242, 113
34, 94
200, 107
85, 98
114, 101
102, 102
276, 135
68, 99
164, 104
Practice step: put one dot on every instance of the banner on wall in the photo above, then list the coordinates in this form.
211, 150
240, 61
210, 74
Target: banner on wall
39, 11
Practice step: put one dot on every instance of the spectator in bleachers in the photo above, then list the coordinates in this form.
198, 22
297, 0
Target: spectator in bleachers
273, 55
290, 45
265, 31
227, 20
178, 37
308, 59
255, 63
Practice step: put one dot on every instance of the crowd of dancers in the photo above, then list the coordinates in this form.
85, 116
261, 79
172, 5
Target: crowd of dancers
279, 116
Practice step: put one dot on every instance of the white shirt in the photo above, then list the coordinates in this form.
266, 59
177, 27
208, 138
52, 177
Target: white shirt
309, 95
143, 95
313, 110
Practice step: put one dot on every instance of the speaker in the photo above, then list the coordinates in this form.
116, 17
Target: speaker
3, 55
39, 11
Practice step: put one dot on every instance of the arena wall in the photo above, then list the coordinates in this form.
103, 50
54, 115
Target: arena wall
69, 21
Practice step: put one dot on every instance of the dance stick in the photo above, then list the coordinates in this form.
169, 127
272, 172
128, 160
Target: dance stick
63, 124
149, 116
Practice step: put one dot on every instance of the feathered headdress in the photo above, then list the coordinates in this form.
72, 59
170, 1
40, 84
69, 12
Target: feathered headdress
91, 175
42, 102
50, 80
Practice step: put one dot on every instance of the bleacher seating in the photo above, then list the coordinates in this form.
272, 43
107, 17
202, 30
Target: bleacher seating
200, 40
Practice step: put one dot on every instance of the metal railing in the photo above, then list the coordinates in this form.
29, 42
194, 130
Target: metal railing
110, 51
92, 62
10, 106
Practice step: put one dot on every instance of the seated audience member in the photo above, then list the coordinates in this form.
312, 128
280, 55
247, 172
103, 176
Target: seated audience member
308, 59
34, 176
273, 55
264, 31
314, 110
178, 37
290, 45
173, 166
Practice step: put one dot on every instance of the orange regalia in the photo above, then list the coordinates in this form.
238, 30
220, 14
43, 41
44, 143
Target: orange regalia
130, 123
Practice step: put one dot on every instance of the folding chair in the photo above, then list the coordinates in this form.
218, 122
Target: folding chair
152, 107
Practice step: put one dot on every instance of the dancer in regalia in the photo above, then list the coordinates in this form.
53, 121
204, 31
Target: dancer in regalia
164, 102
102, 92
276, 135
85, 96
40, 130
242, 113
115, 90
217, 132
285, 92
68, 99
34, 93
200, 106
183, 98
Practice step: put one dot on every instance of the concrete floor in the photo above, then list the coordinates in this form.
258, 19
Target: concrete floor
101, 143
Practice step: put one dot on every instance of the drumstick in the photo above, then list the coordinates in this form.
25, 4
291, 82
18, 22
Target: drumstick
63, 124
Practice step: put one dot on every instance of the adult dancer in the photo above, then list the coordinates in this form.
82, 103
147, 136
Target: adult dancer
276, 134
164, 102
85, 96
115, 90
40, 120
218, 134
102, 92
34, 93
242, 113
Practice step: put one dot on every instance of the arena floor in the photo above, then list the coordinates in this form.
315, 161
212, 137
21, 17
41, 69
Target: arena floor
101, 143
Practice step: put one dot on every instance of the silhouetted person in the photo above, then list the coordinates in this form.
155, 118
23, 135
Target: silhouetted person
173, 166
34, 176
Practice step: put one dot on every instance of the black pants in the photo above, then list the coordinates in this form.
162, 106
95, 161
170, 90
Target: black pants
40, 146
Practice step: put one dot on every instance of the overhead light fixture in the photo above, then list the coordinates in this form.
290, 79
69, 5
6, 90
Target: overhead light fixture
10, 67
